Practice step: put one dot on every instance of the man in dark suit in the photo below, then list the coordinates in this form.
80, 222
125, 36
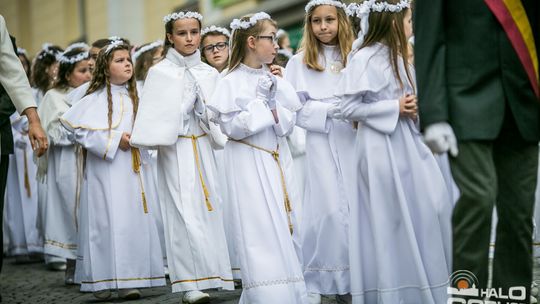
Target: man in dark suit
478, 103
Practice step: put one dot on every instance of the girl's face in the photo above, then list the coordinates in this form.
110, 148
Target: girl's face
80, 74
407, 24
120, 67
265, 44
216, 51
185, 36
324, 24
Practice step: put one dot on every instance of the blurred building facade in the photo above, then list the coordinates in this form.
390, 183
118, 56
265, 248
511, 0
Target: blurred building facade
61, 22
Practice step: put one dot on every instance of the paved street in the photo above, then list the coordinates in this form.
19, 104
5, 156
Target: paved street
33, 283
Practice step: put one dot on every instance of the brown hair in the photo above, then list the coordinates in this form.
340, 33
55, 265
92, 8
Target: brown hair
168, 30
44, 60
239, 40
145, 61
387, 28
311, 46
66, 68
101, 78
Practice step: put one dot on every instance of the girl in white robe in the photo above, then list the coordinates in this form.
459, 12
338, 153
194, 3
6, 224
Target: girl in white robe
60, 166
400, 205
118, 239
313, 72
257, 111
21, 196
144, 58
174, 119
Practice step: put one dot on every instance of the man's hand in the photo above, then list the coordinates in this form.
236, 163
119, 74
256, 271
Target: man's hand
38, 138
440, 138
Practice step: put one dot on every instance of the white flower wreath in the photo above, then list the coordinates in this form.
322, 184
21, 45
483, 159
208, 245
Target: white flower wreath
147, 48
182, 15
217, 29
72, 60
237, 24
314, 3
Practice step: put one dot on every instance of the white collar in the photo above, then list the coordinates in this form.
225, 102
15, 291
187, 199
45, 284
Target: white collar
184, 61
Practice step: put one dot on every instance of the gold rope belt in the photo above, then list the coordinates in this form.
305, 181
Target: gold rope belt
275, 156
198, 163
26, 178
136, 165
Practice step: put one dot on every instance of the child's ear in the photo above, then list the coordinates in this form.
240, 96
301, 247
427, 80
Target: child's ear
169, 38
251, 42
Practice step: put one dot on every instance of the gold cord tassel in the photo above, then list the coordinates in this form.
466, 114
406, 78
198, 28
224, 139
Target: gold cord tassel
198, 163
136, 165
287, 202
26, 178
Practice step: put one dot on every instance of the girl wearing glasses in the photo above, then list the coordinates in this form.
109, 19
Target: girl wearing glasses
173, 118
257, 110
313, 72
215, 47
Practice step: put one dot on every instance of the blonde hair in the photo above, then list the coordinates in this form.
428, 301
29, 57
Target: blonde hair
239, 40
387, 28
101, 78
310, 44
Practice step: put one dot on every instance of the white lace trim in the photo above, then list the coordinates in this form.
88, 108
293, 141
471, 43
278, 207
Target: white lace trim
311, 4
74, 59
217, 29
273, 282
237, 24
328, 269
147, 48
182, 15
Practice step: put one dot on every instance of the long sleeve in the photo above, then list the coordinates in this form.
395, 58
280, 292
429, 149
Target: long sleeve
12, 76
313, 116
241, 124
286, 121
101, 143
381, 115
430, 61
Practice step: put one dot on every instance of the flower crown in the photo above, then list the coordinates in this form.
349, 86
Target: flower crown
147, 48
217, 29
113, 44
182, 15
73, 59
311, 4
237, 24
77, 45
47, 50
363, 10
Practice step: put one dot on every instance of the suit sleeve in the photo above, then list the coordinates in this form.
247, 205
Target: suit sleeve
430, 60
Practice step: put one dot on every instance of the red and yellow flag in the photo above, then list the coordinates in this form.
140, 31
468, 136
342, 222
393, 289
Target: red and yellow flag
515, 23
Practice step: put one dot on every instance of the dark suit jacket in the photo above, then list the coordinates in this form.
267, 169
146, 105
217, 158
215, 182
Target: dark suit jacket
6, 109
467, 71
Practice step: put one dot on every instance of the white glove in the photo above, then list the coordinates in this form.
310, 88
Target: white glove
334, 111
266, 90
440, 138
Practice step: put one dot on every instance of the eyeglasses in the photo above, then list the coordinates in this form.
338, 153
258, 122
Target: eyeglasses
220, 46
271, 38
